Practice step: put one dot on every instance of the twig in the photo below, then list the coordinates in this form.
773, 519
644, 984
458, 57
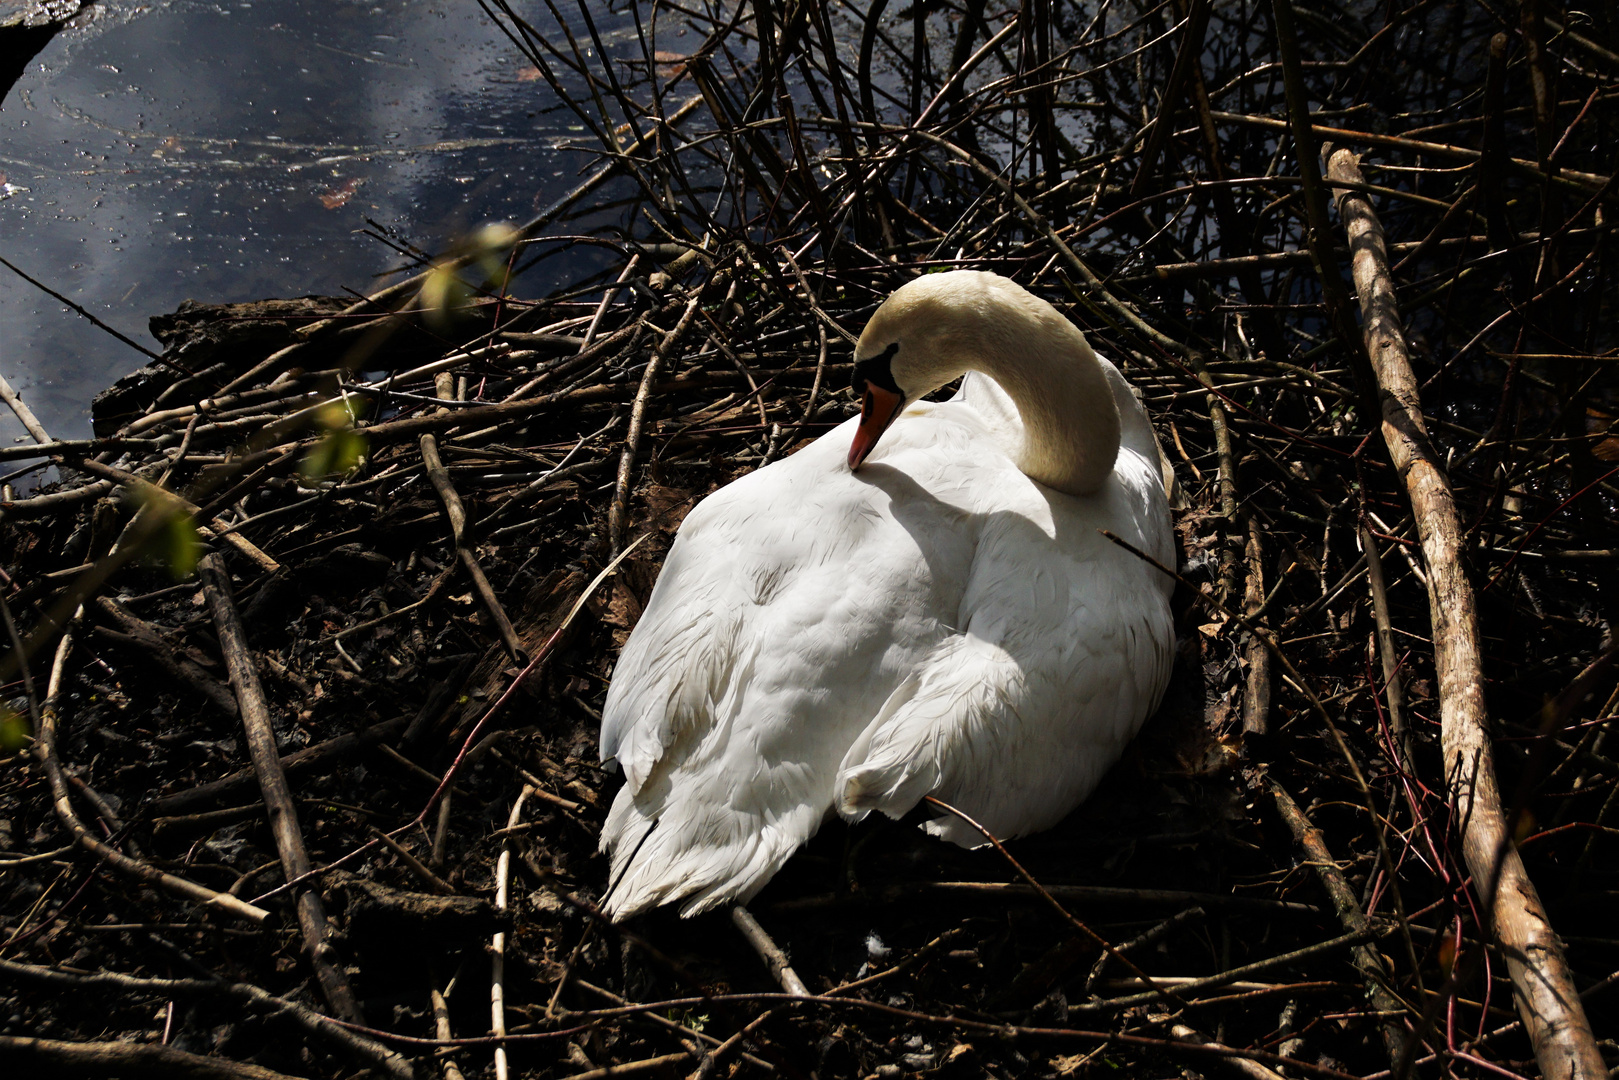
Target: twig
97, 323
53, 1057
497, 947
681, 1029
457, 515
618, 512
365, 1051
712, 1059
768, 951
148, 638
1355, 939
1367, 959
1047, 896
441, 1027
414, 865
1182, 1033
26, 415
158, 502
321, 753
279, 806
1393, 685
1256, 693
45, 750
632, 1068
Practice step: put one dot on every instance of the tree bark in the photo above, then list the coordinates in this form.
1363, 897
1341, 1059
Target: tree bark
1543, 987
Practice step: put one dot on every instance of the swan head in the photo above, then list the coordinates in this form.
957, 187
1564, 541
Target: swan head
940, 326
919, 339
881, 400
935, 329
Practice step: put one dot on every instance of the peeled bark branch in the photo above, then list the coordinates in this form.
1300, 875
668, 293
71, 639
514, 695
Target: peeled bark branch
1543, 987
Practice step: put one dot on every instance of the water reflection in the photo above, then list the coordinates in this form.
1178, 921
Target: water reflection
236, 151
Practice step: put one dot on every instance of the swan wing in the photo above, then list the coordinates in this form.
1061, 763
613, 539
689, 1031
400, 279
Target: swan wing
1064, 647
789, 605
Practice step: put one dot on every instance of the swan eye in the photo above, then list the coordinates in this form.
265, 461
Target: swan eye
877, 369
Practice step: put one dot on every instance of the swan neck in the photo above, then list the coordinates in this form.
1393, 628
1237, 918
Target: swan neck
1070, 418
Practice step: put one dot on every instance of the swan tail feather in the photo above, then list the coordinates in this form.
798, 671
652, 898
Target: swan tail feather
703, 853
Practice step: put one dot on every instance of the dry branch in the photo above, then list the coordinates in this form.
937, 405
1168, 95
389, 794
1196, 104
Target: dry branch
1367, 959
278, 801
780, 967
111, 1059
365, 1051
45, 750
1543, 987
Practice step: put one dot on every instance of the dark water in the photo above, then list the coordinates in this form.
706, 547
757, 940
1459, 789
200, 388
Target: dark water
234, 151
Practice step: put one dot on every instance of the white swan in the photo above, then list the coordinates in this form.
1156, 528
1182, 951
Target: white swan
943, 619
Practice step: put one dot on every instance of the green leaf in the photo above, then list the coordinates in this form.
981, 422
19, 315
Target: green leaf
15, 731
173, 542
443, 292
179, 546
337, 454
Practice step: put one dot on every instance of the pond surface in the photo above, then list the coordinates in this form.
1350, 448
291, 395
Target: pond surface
237, 151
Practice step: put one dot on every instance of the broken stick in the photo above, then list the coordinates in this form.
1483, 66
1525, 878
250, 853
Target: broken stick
278, 803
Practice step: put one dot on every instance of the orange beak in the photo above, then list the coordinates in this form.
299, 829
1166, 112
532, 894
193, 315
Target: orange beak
877, 411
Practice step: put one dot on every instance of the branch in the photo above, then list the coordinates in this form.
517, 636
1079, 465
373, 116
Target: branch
1543, 986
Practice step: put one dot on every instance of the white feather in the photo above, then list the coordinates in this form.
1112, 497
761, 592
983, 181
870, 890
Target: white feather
822, 640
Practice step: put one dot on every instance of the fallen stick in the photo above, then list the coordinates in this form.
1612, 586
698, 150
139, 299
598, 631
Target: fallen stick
160, 501
1543, 987
278, 803
140, 634
618, 510
25, 415
1388, 657
1256, 696
1580, 181
1001, 893
1368, 961
363, 1050
45, 750
41, 505
442, 1029
771, 953
632, 1068
682, 1030
1354, 939
329, 752
1184, 1034
456, 514
497, 946
57, 1058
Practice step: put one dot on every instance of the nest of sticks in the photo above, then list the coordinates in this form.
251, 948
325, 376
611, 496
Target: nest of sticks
307, 648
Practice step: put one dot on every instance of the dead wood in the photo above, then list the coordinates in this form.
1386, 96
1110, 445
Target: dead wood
1543, 988
367, 1052
95, 1059
776, 960
325, 753
278, 802
45, 749
164, 652
1367, 960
